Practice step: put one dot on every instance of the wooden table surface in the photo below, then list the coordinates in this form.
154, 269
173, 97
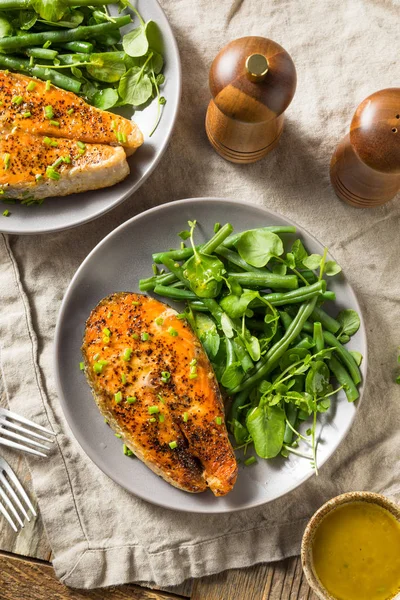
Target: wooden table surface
26, 572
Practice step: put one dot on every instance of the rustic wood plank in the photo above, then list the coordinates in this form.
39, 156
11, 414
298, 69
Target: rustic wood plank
277, 581
27, 579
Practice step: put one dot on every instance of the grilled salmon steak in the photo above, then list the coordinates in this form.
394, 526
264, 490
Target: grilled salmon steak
155, 386
52, 143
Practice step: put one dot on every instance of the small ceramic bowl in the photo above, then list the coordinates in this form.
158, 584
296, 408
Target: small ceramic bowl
306, 545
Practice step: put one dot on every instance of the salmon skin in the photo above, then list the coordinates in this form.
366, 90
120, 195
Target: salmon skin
155, 386
28, 109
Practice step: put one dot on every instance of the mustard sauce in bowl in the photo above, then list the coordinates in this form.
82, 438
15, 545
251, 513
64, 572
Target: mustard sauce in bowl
351, 549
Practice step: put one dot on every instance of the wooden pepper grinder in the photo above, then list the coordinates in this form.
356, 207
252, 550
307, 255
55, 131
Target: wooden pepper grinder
252, 81
365, 167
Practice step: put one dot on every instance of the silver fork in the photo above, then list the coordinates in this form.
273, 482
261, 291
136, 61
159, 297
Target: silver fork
21, 434
13, 499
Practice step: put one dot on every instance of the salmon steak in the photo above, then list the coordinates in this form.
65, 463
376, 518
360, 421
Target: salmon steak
156, 388
46, 118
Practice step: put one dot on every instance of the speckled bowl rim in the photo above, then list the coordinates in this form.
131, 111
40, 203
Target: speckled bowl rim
314, 522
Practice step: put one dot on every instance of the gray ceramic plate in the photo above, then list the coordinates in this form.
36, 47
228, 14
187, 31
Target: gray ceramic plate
56, 214
117, 264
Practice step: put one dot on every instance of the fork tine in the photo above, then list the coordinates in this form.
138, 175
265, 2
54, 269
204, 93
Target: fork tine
16, 417
22, 438
12, 476
7, 516
11, 444
14, 496
8, 423
9, 503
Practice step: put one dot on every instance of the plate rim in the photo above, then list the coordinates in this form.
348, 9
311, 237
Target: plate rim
139, 183
57, 344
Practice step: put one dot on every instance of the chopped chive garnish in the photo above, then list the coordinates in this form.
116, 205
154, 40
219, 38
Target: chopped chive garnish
96, 356
172, 331
70, 111
106, 331
135, 336
7, 160
192, 375
55, 123
6, 213
57, 163
38, 177
218, 420
135, 303
48, 84
173, 445
31, 86
81, 145
52, 174
161, 418
152, 420
127, 354
118, 397
159, 321
1, 192
118, 435
103, 362
123, 137
47, 44
106, 339
153, 410
97, 367
47, 141
81, 152
66, 159
126, 450
26, 114
193, 369
161, 399
165, 376
53, 143
123, 378
145, 336
250, 461
109, 315
185, 417
48, 112
131, 399
193, 362
105, 421
81, 366
112, 124
17, 100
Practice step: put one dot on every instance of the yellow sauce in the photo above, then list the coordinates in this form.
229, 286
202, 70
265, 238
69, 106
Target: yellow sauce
356, 552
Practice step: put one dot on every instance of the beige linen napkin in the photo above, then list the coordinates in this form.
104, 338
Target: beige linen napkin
100, 535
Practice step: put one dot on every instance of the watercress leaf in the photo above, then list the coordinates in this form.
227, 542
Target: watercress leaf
236, 306
135, 43
89, 89
184, 235
291, 356
290, 261
153, 65
70, 20
207, 331
357, 356
344, 338
253, 347
106, 98
27, 19
271, 320
6, 29
266, 426
265, 386
332, 268
349, 320
299, 253
240, 432
160, 79
135, 87
154, 37
317, 380
50, 10
204, 273
234, 287
323, 405
227, 326
313, 261
258, 246
232, 376
107, 66
76, 72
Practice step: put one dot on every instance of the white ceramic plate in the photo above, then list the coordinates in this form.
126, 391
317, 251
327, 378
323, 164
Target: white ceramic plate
56, 214
117, 264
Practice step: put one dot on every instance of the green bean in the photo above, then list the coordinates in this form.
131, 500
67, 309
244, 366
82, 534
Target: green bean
198, 305
344, 379
207, 248
230, 353
286, 319
23, 4
58, 37
267, 280
176, 269
327, 322
234, 238
239, 400
85, 47
318, 336
236, 259
217, 239
20, 64
177, 255
328, 295
291, 415
214, 308
43, 53
345, 356
295, 296
71, 59
306, 342
268, 363
242, 355
146, 285
173, 292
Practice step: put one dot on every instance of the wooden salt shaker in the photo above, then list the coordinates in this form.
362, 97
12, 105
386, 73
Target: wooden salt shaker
365, 167
252, 81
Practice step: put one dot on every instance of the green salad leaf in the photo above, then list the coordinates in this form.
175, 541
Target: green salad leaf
349, 320
258, 246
